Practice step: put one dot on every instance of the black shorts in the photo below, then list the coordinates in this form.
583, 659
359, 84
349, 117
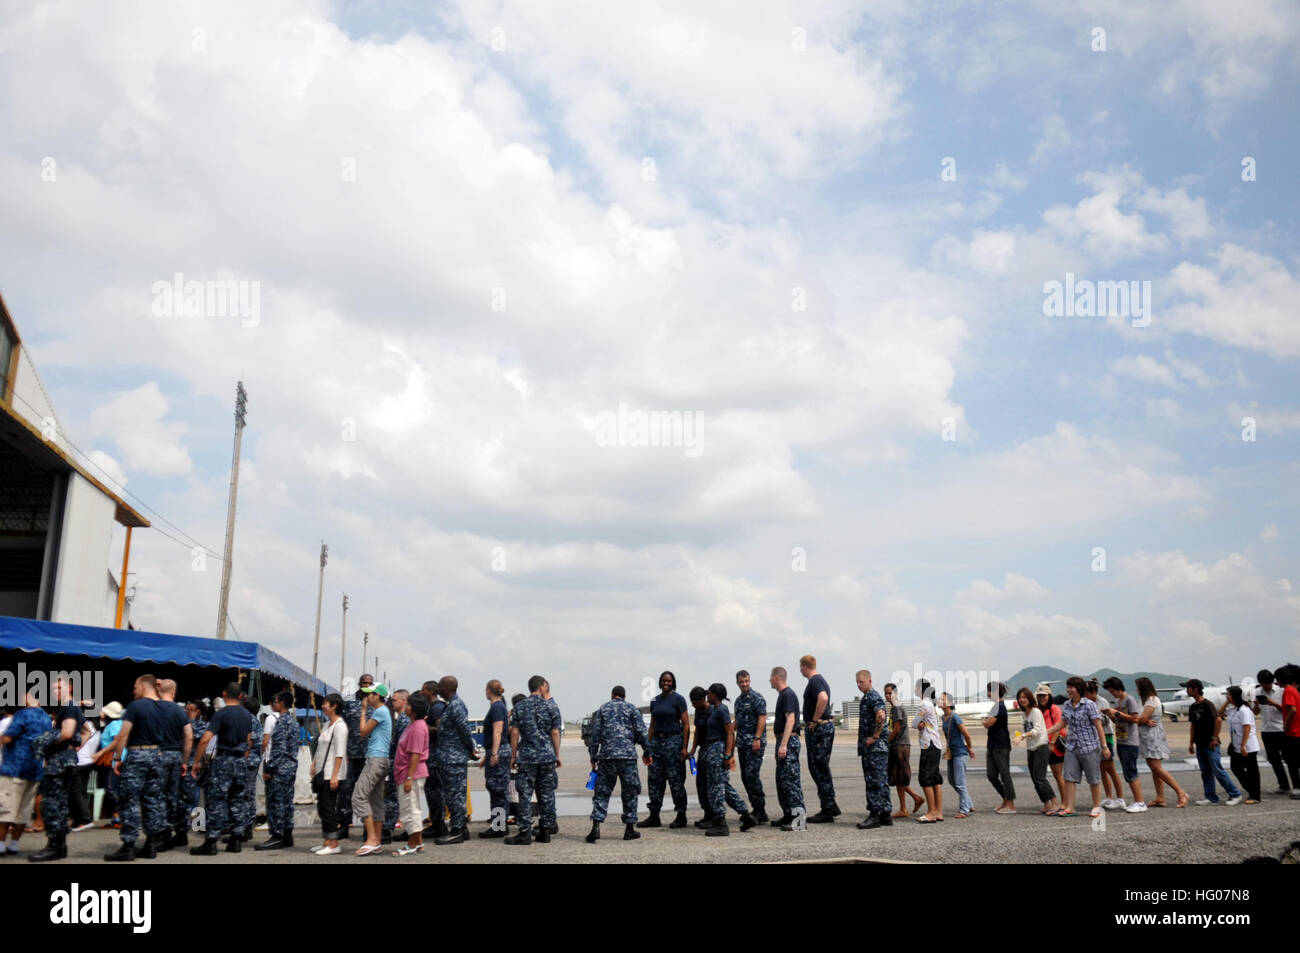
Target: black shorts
929, 771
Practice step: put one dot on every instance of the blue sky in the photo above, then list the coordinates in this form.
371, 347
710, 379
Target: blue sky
474, 522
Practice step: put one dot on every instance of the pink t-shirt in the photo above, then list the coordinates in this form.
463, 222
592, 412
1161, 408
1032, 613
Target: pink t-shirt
415, 740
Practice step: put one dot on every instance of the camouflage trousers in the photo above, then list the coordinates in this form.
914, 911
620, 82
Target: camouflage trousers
227, 803
875, 772
392, 810
171, 768
252, 768
820, 741
497, 781
140, 793
751, 762
56, 786
539, 778
721, 794
279, 800
454, 775
188, 799
433, 796
624, 771
789, 789
667, 767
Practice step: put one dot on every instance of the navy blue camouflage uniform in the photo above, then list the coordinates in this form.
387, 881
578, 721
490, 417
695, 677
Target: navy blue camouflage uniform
789, 787
189, 790
282, 766
252, 769
171, 747
616, 729
391, 808
60, 771
821, 741
721, 794
536, 761
750, 707
497, 778
433, 783
875, 756
227, 776
454, 750
351, 716
667, 766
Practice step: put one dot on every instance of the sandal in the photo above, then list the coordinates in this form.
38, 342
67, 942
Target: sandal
1095, 812
1182, 801
961, 814
367, 850
1066, 814
1157, 804
932, 820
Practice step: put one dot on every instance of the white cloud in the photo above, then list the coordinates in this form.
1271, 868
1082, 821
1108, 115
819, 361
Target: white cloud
1245, 299
134, 422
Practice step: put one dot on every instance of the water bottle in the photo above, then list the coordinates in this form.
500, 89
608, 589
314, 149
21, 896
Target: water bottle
692, 760
591, 781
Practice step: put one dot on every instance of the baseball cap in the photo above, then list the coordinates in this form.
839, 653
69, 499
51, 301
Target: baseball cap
1043, 689
379, 688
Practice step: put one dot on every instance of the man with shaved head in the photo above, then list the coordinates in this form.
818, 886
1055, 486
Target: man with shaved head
455, 751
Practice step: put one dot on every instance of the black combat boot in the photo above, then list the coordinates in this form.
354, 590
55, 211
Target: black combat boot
162, 843
148, 850
594, 834
885, 819
453, 837
835, 809
553, 828
490, 833
181, 838
679, 821
277, 842
782, 820
206, 849
871, 823
718, 829
822, 817
760, 814
630, 832
236, 844
705, 822
56, 848
521, 839
652, 820
124, 852
747, 822
543, 834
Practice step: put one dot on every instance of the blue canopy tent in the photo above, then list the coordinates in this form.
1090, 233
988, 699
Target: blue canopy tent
200, 666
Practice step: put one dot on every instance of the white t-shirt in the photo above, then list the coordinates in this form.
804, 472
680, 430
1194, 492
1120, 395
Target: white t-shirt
927, 723
86, 753
268, 727
1270, 718
1238, 718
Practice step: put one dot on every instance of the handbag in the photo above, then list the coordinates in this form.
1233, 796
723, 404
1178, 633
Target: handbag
319, 783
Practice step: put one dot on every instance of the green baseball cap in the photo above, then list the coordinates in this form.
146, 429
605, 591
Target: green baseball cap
379, 689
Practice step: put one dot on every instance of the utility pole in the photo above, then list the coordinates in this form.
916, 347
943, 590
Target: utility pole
315, 652
241, 407
343, 655
365, 640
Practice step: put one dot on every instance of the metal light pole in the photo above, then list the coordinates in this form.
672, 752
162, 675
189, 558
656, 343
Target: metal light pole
315, 652
241, 407
343, 655
365, 640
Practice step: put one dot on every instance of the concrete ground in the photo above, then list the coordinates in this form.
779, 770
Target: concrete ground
1189, 836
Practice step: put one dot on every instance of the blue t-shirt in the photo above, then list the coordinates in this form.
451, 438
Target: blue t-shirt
666, 713
496, 712
956, 743
816, 685
718, 719
381, 736
21, 760
787, 703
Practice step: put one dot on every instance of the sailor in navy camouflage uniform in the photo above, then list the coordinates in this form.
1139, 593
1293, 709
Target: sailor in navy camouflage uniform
536, 757
455, 751
616, 729
548, 814
751, 742
280, 772
227, 808
392, 810
873, 749
496, 748
140, 801
433, 784
670, 735
356, 753
189, 793
719, 756
252, 765
789, 790
176, 746
59, 747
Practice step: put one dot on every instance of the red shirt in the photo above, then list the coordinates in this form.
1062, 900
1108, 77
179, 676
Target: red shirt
1291, 699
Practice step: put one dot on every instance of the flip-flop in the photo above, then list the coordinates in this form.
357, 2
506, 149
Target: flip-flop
922, 820
1182, 801
1157, 804
1066, 814
1095, 812
961, 814
366, 851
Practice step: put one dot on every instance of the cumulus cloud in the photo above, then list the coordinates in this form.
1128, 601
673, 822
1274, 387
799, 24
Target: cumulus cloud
1245, 299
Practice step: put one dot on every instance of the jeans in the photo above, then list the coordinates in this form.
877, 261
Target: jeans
1212, 768
957, 778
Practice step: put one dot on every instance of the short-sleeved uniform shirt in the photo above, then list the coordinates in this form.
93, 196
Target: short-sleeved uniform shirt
750, 706
172, 722
532, 717
231, 725
666, 713
77, 715
148, 722
787, 703
816, 685
496, 713
871, 703
716, 721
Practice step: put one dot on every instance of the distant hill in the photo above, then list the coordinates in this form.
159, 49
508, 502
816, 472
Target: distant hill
1030, 677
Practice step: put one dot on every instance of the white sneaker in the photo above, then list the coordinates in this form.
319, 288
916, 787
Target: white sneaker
1296, 793
329, 850
318, 848
263, 827
1205, 802
82, 827
1137, 807
1233, 801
